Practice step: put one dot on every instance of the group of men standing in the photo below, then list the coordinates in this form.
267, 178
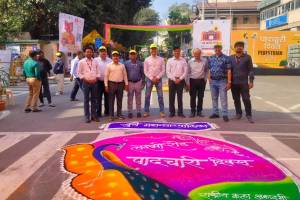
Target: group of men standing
104, 77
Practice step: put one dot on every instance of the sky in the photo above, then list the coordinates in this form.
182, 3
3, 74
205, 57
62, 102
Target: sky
162, 6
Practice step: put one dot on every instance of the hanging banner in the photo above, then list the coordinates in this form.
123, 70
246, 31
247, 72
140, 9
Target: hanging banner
207, 33
180, 27
70, 32
270, 49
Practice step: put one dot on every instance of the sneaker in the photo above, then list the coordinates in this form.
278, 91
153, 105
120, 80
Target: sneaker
52, 105
181, 115
238, 116
130, 115
162, 114
192, 115
171, 115
226, 119
139, 115
213, 116
146, 114
27, 110
41, 105
121, 117
37, 110
250, 120
57, 94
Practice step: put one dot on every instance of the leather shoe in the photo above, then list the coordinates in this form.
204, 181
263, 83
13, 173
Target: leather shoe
213, 116
95, 119
226, 119
192, 115
171, 115
36, 110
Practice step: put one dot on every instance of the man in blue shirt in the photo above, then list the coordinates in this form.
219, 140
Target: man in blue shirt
219, 77
136, 82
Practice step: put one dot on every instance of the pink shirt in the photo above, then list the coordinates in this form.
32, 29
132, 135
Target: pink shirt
88, 69
177, 68
154, 66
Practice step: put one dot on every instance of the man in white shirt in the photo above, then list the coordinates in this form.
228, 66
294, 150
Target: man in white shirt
176, 73
103, 60
196, 81
88, 72
74, 75
115, 81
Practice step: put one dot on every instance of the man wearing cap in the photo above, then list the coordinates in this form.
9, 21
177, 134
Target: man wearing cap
45, 67
154, 69
58, 70
74, 75
88, 72
115, 81
103, 60
242, 80
136, 78
176, 73
31, 71
219, 77
196, 81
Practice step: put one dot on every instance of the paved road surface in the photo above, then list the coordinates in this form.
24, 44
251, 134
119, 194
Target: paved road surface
30, 144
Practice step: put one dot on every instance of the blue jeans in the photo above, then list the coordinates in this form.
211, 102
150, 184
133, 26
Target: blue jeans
89, 94
149, 86
218, 87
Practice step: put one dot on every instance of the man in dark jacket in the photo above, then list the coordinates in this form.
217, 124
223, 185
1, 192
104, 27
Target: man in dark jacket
58, 70
45, 67
242, 80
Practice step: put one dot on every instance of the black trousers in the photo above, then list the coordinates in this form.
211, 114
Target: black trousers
237, 91
45, 91
197, 88
101, 92
115, 92
77, 85
173, 90
89, 94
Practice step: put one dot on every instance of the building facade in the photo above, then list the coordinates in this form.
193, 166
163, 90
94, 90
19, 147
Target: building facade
243, 13
280, 15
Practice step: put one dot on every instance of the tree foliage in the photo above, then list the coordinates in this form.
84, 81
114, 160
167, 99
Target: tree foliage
40, 17
145, 16
179, 14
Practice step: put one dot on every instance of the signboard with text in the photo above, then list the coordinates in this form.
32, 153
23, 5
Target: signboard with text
207, 33
277, 21
270, 49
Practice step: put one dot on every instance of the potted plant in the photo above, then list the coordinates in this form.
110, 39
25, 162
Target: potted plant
4, 83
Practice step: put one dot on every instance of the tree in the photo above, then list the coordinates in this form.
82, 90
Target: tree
40, 17
10, 23
179, 14
145, 16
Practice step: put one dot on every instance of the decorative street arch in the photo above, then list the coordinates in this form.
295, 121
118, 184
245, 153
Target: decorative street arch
108, 28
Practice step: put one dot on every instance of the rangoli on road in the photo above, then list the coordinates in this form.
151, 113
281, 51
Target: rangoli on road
173, 166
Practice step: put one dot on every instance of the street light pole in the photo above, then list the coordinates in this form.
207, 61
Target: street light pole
216, 9
202, 12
